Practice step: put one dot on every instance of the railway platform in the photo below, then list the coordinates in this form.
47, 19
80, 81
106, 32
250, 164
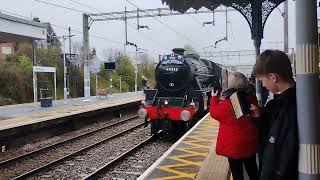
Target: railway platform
192, 157
19, 120
12, 116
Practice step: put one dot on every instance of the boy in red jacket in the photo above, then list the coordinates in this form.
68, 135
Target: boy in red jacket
237, 138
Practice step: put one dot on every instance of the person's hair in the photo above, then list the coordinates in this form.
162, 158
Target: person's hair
237, 80
273, 61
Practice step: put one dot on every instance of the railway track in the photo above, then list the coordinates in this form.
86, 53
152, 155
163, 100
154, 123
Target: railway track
88, 161
10, 167
132, 163
96, 173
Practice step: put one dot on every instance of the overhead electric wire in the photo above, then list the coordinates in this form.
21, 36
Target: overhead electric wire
96, 35
197, 20
84, 5
233, 37
63, 7
76, 10
182, 35
66, 28
98, 10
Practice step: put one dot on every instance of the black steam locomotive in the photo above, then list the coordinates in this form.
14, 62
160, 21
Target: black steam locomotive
182, 93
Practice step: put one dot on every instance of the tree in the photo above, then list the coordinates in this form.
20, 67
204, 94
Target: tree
126, 69
110, 53
78, 49
147, 68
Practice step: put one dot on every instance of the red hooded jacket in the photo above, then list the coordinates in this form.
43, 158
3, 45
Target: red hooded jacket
237, 138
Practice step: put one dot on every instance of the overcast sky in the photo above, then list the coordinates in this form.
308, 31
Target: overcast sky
159, 39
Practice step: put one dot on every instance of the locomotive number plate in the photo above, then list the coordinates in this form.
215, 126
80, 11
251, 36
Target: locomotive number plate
172, 69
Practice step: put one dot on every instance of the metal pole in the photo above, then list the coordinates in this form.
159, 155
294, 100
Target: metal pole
68, 76
86, 71
34, 50
136, 56
35, 98
286, 30
138, 26
96, 83
308, 98
55, 86
257, 45
111, 83
69, 40
213, 19
125, 30
226, 23
136, 74
136, 81
120, 85
64, 71
257, 35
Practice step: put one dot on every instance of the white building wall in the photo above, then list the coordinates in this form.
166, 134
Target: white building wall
22, 29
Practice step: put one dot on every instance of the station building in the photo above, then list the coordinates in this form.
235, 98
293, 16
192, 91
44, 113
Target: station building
15, 30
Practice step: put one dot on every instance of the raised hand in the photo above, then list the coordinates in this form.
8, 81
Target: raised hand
255, 111
214, 93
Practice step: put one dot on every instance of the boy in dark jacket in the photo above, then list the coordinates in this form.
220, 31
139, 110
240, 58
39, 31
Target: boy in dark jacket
278, 119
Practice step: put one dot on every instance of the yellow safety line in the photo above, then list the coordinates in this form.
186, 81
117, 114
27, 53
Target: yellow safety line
200, 135
178, 174
188, 150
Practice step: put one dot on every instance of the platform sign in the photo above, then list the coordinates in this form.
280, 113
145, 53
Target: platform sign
95, 65
44, 69
172, 59
110, 65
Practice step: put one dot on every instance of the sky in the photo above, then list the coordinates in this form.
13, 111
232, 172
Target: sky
159, 39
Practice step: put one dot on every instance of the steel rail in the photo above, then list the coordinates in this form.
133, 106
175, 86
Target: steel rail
8, 161
52, 163
119, 158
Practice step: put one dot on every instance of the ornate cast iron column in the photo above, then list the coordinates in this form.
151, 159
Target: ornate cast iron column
256, 12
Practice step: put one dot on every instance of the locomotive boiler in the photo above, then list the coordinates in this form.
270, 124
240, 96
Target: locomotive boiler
182, 93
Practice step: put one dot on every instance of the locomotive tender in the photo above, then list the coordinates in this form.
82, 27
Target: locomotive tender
182, 93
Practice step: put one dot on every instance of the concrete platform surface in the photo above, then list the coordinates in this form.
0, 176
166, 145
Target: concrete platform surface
24, 114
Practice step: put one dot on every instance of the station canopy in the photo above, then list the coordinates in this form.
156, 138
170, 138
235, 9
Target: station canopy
183, 5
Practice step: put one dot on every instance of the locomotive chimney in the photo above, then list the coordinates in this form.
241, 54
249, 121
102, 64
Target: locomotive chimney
179, 51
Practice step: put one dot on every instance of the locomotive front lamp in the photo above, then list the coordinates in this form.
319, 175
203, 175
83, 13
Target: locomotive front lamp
192, 104
166, 103
142, 113
185, 115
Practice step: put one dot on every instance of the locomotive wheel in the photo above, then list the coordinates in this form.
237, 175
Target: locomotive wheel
154, 126
179, 128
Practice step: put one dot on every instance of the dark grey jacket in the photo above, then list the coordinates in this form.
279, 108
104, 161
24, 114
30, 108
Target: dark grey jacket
279, 138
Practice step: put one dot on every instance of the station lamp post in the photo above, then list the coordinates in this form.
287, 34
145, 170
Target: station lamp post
65, 87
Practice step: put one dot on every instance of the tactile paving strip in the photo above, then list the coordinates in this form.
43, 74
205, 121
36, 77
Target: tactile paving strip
186, 159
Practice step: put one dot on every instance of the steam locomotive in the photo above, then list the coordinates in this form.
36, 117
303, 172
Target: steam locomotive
182, 93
